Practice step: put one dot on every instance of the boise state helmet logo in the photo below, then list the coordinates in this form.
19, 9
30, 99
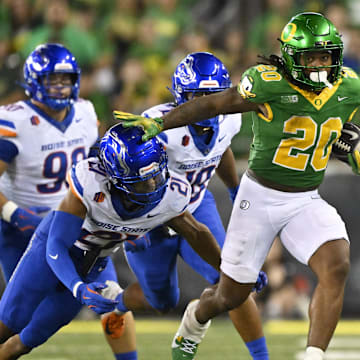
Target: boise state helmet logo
37, 63
185, 71
113, 153
121, 153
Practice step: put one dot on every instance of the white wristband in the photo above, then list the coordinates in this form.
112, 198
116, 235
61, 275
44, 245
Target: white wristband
75, 288
7, 210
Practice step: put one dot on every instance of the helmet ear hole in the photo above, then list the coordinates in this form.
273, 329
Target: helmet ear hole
199, 72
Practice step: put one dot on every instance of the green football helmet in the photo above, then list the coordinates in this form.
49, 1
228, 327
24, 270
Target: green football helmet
308, 32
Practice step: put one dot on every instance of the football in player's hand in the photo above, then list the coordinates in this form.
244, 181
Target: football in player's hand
348, 142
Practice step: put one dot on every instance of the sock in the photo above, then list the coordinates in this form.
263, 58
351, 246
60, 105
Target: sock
132, 355
314, 353
190, 328
121, 306
258, 349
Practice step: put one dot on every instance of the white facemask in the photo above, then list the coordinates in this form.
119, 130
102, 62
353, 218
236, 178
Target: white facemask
320, 76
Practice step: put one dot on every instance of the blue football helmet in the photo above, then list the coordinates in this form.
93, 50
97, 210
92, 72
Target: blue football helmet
47, 59
199, 72
129, 164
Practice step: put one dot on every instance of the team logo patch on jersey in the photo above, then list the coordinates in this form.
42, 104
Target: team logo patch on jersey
185, 140
244, 204
99, 197
35, 120
245, 87
289, 99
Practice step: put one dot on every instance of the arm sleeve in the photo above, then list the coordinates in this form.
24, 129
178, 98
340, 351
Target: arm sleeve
8, 150
64, 231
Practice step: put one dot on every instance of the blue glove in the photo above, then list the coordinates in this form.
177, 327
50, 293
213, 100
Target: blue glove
261, 282
139, 244
233, 192
89, 295
26, 220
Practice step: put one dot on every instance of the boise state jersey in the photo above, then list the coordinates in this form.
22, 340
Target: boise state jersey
39, 150
292, 144
190, 161
103, 226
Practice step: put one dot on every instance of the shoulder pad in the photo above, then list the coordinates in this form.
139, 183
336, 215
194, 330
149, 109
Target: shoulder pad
9, 118
261, 83
158, 110
7, 128
347, 72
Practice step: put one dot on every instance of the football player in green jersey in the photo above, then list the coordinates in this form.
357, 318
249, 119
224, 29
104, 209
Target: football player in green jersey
300, 102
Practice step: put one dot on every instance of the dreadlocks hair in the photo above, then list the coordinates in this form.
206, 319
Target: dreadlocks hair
272, 60
279, 63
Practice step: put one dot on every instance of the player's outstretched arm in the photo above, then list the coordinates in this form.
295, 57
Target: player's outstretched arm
64, 230
198, 236
201, 108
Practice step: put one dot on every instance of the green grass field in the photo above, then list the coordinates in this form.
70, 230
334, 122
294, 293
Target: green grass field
83, 340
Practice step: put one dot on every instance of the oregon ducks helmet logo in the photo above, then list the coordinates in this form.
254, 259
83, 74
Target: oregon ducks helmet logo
291, 29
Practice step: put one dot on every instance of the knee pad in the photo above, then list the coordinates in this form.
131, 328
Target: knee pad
113, 324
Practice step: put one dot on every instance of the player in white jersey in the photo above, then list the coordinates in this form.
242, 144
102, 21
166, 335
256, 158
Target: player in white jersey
39, 141
195, 153
117, 197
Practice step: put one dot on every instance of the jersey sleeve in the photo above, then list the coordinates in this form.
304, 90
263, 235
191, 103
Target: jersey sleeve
94, 122
233, 124
181, 193
76, 179
158, 110
10, 145
7, 128
261, 84
351, 83
8, 150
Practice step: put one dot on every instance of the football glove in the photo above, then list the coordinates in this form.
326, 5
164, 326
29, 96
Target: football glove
233, 192
89, 295
261, 282
151, 126
26, 220
139, 244
346, 148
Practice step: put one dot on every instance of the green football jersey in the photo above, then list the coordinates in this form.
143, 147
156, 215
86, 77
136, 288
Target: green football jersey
292, 145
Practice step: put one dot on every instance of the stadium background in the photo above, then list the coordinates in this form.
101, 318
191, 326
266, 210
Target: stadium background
128, 49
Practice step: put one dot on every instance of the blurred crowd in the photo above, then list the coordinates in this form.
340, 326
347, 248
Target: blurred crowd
128, 49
